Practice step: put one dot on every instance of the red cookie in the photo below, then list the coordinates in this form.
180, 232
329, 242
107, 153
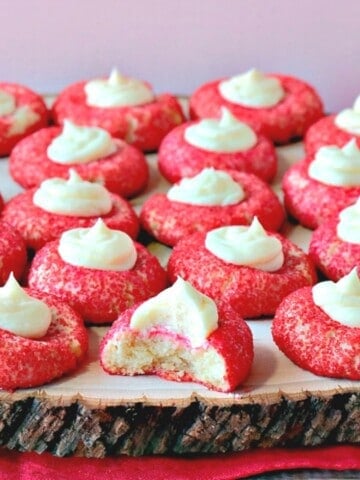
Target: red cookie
169, 221
124, 172
230, 344
28, 362
332, 255
25, 101
13, 256
178, 159
144, 126
38, 227
250, 291
326, 132
315, 342
310, 201
98, 295
288, 119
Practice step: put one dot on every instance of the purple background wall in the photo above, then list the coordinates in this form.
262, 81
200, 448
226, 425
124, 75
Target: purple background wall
178, 45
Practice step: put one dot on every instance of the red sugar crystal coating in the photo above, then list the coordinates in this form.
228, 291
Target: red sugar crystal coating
124, 172
38, 226
232, 341
289, 119
315, 342
24, 97
251, 292
98, 295
333, 256
178, 159
28, 363
13, 255
169, 221
326, 132
312, 202
144, 126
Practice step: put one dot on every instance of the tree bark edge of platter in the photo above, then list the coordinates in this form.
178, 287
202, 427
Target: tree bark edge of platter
33, 424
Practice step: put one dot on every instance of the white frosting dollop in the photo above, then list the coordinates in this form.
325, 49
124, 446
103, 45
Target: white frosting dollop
98, 247
77, 144
22, 117
226, 134
340, 300
209, 187
252, 89
349, 119
22, 314
7, 103
338, 166
246, 245
117, 91
348, 227
75, 197
180, 309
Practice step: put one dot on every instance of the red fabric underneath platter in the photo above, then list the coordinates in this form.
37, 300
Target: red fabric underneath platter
32, 466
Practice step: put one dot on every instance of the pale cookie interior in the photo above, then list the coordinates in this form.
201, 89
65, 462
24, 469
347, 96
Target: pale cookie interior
130, 354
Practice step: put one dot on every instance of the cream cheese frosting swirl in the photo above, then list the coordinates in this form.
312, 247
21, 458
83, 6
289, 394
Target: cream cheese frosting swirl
246, 245
98, 247
338, 166
77, 144
226, 134
348, 227
22, 314
209, 187
340, 300
349, 119
74, 197
7, 103
180, 309
21, 117
252, 89
117, 91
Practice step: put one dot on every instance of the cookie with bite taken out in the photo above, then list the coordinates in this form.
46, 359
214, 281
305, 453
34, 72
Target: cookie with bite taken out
180, 335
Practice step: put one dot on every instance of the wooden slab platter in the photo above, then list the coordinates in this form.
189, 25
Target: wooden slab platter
93, 414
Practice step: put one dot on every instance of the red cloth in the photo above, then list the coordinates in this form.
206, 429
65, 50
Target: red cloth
31, 466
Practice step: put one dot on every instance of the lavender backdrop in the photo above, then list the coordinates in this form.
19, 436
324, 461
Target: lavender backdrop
178, 45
